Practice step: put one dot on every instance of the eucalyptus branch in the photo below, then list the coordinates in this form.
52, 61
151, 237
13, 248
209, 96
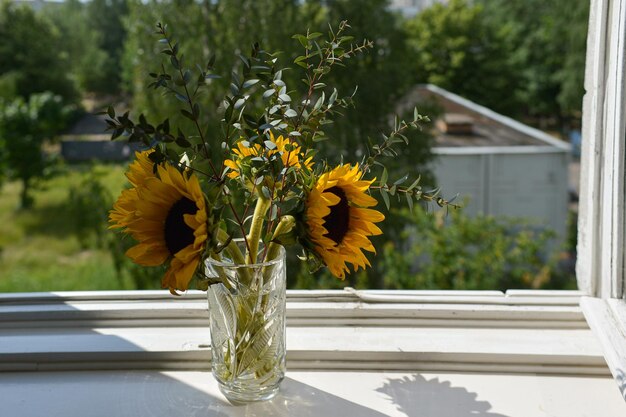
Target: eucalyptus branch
194, 109
193, 115
327, 58
413, 192
385, 148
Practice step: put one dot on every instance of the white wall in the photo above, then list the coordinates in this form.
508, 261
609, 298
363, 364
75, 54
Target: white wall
532, 185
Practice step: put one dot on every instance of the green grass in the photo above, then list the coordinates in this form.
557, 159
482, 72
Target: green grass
39, 250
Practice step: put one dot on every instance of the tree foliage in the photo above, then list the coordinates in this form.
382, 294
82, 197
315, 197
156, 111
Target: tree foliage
547, 42
519, 57
31, 60
455, 251
456, 49
24, 126
218, 28
106, 18
87, 64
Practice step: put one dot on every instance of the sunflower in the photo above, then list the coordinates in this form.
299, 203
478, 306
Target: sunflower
290, 158
123, 212
338, 220
166, 214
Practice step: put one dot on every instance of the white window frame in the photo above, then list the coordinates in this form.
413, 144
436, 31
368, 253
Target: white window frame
100, 330
601, 226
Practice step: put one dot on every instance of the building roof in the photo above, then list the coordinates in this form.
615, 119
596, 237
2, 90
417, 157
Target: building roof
89, 124
488, 128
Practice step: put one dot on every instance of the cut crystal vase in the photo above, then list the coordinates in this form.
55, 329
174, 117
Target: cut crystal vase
247, 318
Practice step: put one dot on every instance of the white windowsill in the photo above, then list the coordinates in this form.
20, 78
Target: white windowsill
607, 318
354, 352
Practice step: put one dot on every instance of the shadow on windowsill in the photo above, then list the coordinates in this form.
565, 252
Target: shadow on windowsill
416, 396
156, 394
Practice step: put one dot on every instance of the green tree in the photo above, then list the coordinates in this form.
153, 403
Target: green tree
546, 41
455, 251
106, 18
219, 28
30, 56
454, 48
88, 64
24, 126
382, 76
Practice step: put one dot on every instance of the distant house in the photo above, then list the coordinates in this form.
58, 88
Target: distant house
88, 140
504, 167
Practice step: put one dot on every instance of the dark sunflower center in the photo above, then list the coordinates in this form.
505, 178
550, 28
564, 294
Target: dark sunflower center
337, 221
177, 234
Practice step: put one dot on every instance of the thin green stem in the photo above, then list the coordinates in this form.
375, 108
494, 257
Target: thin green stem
235, 255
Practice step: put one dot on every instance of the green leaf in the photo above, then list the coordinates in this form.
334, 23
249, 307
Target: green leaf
196, 111
188, 115
333, 97
187, 76
401, 180
319, 102
240, 102
302, 39
228, 114
182, 142
385, 197
250, 83
417, 181
383, 178
291, 113
245, 60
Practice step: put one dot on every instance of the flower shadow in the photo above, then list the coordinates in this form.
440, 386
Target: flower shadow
416, 396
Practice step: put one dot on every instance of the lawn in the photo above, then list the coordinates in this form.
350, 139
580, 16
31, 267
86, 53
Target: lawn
39, 247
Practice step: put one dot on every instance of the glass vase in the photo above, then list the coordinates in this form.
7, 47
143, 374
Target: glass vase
247, 318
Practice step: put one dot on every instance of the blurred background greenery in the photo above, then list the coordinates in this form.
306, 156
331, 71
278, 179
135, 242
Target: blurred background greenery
522, 58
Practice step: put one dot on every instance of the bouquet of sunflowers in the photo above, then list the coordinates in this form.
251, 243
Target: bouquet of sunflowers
200, 202
189, 200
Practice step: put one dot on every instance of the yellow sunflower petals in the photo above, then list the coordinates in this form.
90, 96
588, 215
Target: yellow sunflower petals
360, 225
147, 255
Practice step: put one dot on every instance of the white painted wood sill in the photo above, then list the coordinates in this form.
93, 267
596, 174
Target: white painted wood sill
370, 353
